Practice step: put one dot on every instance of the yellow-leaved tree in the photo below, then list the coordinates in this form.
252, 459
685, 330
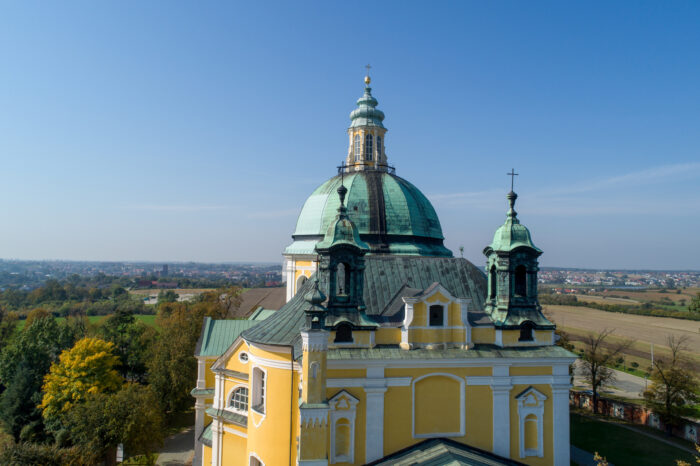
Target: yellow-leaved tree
87, 368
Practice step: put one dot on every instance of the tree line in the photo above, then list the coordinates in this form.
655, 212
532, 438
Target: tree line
71, 391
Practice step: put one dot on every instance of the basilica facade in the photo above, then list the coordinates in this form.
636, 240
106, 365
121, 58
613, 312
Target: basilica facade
389, 350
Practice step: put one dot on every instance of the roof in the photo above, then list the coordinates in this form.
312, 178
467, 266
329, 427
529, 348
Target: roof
478, 352
261, 313
512, 234
218, 335
442, 452
386, 279
269, 298
206, 437
366, 113
390, 214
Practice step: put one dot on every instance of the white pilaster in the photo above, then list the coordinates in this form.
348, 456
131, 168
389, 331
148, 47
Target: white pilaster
199, 407
501, 387
560, 416
374, 429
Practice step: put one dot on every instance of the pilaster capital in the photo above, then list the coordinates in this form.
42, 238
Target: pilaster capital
314, 340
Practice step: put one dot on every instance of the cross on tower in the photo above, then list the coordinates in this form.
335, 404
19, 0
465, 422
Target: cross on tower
512, 175
341, 170
368, 67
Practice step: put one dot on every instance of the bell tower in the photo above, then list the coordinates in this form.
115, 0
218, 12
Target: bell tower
511, 268
366, 150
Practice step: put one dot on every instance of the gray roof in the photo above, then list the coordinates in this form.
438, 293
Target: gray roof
441, 452
387, 278
479, 351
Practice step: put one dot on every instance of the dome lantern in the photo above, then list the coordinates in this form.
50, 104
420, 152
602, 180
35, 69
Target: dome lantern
366, 150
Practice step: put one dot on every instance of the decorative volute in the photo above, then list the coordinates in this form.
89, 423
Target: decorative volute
366, 149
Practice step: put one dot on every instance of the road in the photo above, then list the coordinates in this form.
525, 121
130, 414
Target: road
626, 385
178, 449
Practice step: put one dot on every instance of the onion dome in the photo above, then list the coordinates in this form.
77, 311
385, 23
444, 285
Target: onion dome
366, 113
512, 234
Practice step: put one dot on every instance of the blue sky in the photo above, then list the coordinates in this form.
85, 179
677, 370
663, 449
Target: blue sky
173, 131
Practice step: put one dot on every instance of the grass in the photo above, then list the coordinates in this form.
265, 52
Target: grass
622, 446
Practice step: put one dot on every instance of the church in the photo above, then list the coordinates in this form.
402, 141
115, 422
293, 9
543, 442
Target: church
389, 350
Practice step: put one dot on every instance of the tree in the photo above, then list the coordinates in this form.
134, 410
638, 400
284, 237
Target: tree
23, 364
21, 454
87, 368
129, 416
673, 383
694, 305
598, 355
132, 340
36, 314
167, 296
8, 324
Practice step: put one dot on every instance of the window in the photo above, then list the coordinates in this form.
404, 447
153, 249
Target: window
492, 282
259, 390
254, 461
436, 317
239, 400
243, 357
520, 281
314, 369
358, 147
526, 331
368, 147
379, 148
343, 333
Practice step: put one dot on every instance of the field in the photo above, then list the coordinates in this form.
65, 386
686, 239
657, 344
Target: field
579, 321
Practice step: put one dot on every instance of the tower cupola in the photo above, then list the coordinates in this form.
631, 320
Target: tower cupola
512, 268
366, 149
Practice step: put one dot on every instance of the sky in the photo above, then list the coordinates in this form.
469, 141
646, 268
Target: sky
194, 131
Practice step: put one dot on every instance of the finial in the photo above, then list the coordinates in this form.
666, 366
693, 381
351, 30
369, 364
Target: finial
512, 214
342, 191
367, 78
512, 175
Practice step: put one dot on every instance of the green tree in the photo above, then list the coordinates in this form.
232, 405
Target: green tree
674, 385
694, 305
23, 364
167, 296
22, 454
129, 416
598, 354
131, 339
87, 368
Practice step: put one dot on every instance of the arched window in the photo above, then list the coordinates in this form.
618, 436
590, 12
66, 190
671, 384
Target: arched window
437, 316
342, 439
358, 147
526, 331
300, 282
314, 369
259, 386
379, 148
492, 282
341, 279
520, 281
239, 400
343, 333
530, 433
368, 147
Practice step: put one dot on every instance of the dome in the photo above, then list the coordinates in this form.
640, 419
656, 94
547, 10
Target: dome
391, 215
512, 234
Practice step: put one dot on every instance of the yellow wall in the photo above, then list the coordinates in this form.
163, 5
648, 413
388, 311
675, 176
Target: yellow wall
206, 455
485, 335
387, 336
536, 370
234, 448
510, 337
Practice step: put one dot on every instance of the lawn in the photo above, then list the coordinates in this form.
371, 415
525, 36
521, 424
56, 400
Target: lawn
621, 446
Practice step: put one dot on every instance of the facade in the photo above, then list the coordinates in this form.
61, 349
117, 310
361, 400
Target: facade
389, 350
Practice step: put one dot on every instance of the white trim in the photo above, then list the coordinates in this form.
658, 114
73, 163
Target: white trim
220, 362
523, 412
314, 340
519, 379
240, 357
560, 418
461, 362
335, 416
498, 337
313, 417
369, 382
374, 423
273, 363
461, 407
501, 418
445, 315
464, 314
235, 432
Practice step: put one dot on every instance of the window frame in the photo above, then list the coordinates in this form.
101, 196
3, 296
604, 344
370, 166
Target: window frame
357, 147
369, 147
444, 315
259, 398
230, 400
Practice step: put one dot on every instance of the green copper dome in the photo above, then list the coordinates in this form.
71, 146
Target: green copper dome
391, 215
512, 234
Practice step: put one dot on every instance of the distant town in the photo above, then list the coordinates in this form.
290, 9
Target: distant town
27, 275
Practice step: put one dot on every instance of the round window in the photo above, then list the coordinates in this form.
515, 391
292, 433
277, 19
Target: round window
243, 357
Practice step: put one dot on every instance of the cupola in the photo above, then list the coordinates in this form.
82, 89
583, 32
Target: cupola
512, 268
366, 149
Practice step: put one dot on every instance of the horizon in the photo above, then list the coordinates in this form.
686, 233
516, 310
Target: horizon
198, 136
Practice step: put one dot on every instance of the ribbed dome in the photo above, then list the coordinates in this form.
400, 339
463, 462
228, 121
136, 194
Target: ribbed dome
391, 215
